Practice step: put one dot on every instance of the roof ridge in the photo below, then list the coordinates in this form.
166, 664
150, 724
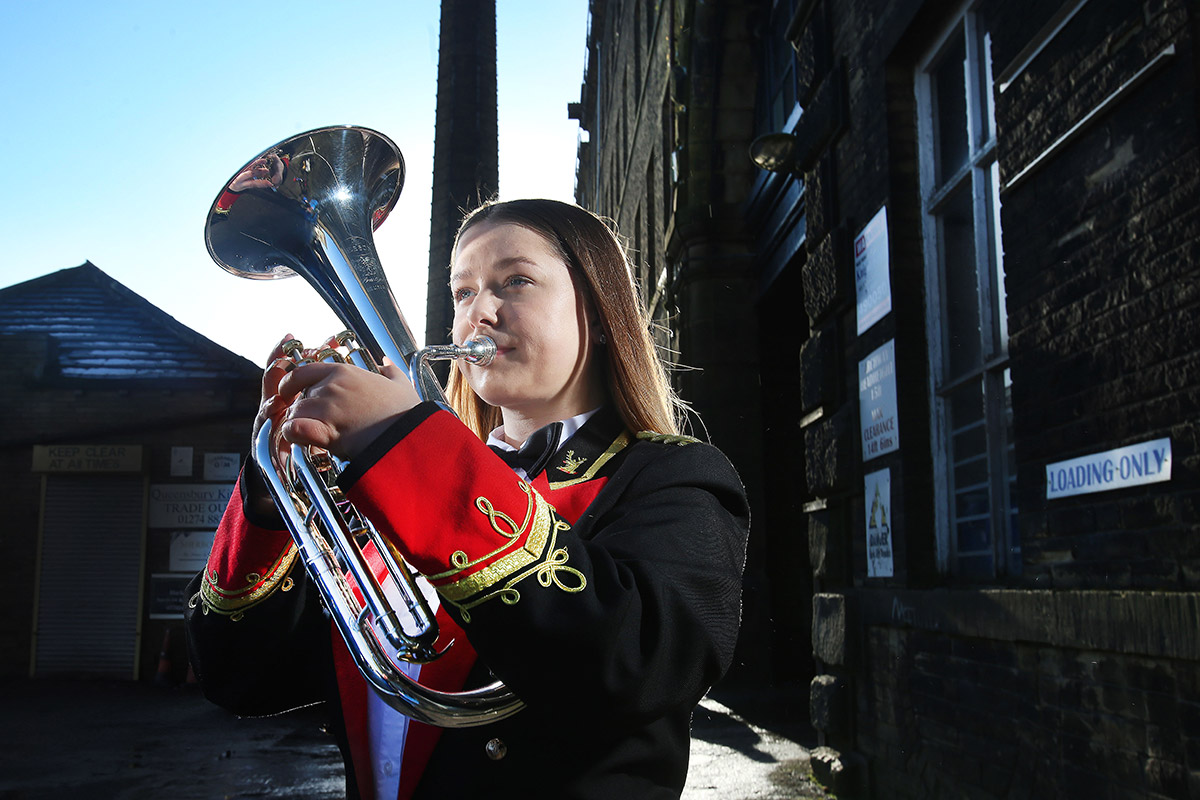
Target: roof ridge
210, 356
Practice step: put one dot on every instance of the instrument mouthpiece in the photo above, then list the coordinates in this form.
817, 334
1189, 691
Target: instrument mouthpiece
479, 351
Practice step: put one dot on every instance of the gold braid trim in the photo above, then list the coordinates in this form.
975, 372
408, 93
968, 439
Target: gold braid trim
537, 555
619, 444
667, 438
234, 603
534, 512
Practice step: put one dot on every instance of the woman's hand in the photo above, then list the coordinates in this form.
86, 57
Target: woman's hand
262, 173
340, 407
270, 407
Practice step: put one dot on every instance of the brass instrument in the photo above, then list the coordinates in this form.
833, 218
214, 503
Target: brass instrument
308, 206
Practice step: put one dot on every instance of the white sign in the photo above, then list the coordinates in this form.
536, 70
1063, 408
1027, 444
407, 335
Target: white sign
189, 550
221, 466
871, 280
181, 462
877, 402
878, 494
188, 505
1135, 465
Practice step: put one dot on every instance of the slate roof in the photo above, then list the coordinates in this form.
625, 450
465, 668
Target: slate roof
99, 330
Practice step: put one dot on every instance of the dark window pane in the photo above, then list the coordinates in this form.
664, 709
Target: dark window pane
950, 109
971, 472
966, 406
961, 276
971, 502
974, 536
969, 442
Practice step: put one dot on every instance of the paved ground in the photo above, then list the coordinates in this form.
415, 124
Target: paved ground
127, 741
736, 758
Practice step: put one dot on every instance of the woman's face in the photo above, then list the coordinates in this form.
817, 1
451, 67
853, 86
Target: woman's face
509, 284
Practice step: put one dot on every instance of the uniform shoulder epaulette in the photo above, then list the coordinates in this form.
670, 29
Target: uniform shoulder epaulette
666, 438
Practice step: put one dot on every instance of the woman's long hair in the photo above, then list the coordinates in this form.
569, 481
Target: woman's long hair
634, 376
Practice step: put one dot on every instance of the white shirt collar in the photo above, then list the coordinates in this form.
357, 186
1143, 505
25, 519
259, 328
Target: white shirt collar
570, 426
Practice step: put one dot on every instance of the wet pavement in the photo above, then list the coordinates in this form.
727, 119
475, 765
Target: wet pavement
122, 740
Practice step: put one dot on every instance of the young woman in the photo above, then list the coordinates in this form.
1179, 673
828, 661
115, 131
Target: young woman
601, 582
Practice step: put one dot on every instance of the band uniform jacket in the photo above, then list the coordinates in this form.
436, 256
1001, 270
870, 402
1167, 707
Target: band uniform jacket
604, 591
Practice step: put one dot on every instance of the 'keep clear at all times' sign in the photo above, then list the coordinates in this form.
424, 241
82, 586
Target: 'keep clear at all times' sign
877, 402
1135, 465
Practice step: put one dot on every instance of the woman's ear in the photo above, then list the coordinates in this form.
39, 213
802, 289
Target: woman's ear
595, 328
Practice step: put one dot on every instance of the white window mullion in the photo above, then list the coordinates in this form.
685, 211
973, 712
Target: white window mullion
934, 317
996, 252
966, 323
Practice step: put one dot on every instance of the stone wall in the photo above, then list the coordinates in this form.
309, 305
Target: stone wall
1077, 672
1103, 289
1077, 676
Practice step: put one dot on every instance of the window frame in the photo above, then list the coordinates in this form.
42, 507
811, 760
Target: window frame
979, 175
778, 79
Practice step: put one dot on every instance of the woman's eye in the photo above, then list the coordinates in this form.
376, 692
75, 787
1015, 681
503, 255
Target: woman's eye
460, 294
518, 280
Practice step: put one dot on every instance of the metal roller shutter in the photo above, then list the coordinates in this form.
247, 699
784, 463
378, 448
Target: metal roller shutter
89, 590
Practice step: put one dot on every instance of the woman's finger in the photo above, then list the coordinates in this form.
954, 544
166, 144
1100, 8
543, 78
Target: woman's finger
304, 377
277, 366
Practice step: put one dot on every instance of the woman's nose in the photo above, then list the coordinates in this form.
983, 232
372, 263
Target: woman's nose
484, 310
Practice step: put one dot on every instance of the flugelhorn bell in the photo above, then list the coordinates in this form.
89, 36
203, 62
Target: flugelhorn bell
308, 206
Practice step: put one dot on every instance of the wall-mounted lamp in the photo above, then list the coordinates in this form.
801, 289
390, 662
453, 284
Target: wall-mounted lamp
774, 152
815, 128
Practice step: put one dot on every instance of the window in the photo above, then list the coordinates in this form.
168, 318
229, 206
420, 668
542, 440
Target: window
777, 86
970, 391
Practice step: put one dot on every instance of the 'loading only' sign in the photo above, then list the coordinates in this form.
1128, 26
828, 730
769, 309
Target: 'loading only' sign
1137, 464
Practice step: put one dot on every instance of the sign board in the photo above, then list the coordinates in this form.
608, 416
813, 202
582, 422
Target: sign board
168, 595
871, 272
181, 462
1135, 465
878, 496
87, 458
222, 466
189, 550
188, 505
877, 402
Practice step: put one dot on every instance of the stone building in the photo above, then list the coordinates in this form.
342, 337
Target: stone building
955, 244
668, 107
123, 434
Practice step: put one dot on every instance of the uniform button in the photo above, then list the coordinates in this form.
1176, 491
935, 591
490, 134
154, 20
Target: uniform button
496, 749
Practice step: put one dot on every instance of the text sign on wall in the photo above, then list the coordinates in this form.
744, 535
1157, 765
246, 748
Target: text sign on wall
87, 458
222, 466
168, 595
181, 462
878, 494
871, 281
188, 505
877, 402
188, 550
1137, 464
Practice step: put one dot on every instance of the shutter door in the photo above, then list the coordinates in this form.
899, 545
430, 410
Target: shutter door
89, 590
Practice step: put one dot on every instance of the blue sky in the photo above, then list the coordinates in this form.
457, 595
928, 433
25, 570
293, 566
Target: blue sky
122, 120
